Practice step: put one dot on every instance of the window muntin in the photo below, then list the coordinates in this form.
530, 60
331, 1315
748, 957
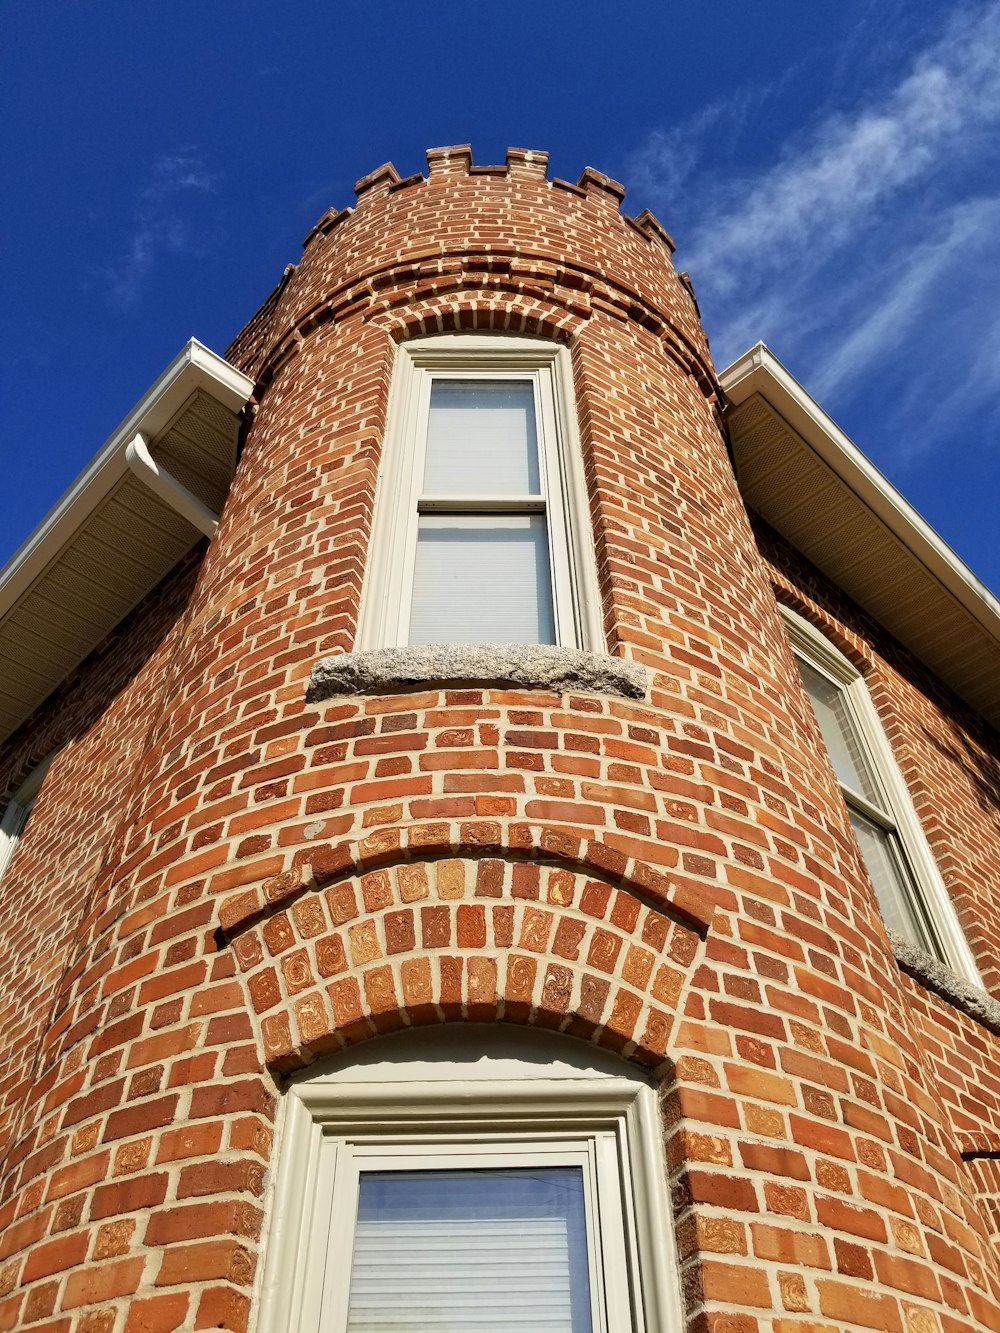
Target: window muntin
470, 1102
482, 530
911, 894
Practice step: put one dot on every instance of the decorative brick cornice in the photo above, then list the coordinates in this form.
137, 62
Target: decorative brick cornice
392, 293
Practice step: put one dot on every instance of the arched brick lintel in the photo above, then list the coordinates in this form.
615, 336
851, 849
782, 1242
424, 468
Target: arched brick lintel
500, 307
690, 902
464, 939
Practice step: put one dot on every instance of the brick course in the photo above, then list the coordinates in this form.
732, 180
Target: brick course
222, 883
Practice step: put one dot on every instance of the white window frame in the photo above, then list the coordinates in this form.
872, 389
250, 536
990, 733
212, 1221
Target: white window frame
896, 814
385, 614
472, 1097
15, 817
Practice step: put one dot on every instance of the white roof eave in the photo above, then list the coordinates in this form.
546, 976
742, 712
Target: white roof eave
195, 367
758, 371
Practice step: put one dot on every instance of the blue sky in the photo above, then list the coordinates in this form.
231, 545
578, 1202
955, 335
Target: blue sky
831, 174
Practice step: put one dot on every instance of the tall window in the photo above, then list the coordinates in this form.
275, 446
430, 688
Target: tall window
910, 891
15, 817
471, 1179
482, 531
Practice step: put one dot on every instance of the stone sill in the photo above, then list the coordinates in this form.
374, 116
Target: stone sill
939, 978
524, 666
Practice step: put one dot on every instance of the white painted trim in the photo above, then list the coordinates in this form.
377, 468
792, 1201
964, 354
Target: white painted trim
194, 367
812, 645
166, 486
18, 808
760, 371
385, 610
458, 1090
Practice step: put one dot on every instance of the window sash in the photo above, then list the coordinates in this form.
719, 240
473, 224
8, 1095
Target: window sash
871, 818
892, 878
911, 893
481, 578
483, 445
601, 1217
388, 588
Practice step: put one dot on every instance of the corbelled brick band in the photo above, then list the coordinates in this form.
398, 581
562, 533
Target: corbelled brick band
260, 880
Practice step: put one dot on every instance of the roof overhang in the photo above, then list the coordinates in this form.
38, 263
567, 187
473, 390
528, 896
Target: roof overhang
110, 540
805, 478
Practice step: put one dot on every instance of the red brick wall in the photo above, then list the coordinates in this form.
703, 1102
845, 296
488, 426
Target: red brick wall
675, 879
949, 760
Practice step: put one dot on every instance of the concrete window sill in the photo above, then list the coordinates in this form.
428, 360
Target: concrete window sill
530, 666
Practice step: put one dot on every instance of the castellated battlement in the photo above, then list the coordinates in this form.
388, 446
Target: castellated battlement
527, 254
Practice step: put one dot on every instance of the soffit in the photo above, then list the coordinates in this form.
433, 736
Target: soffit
110, 540
808, 481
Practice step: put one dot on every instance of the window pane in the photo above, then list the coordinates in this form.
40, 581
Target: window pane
841, 739
897, 897
482, 579
481, 438
457, 1251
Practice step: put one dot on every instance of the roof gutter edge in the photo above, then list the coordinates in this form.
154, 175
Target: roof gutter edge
194, 367
760, 371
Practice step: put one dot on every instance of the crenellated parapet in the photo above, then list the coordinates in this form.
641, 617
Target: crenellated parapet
508, 240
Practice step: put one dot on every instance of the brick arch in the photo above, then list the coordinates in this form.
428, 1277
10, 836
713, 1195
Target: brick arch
470, 939
498, 306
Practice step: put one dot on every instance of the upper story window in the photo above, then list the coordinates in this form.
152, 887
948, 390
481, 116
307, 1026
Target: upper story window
15, 817
482, 530
466, 1178
907, 882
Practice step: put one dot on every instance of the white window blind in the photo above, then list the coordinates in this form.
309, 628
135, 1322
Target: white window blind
482, 579
483, 1250
481, 438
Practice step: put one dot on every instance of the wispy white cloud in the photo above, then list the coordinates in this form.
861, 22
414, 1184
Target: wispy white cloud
670, 157
159, 222
832, 183
867, 243
912, 289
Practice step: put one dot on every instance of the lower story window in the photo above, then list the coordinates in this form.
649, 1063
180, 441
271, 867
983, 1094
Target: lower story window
450, 1194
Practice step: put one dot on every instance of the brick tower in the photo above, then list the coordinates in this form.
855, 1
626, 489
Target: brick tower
318, 882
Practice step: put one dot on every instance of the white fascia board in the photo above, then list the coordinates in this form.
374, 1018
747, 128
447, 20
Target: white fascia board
195, 367
760, 371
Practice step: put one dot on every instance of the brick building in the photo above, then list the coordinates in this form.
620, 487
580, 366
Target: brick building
474, 754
